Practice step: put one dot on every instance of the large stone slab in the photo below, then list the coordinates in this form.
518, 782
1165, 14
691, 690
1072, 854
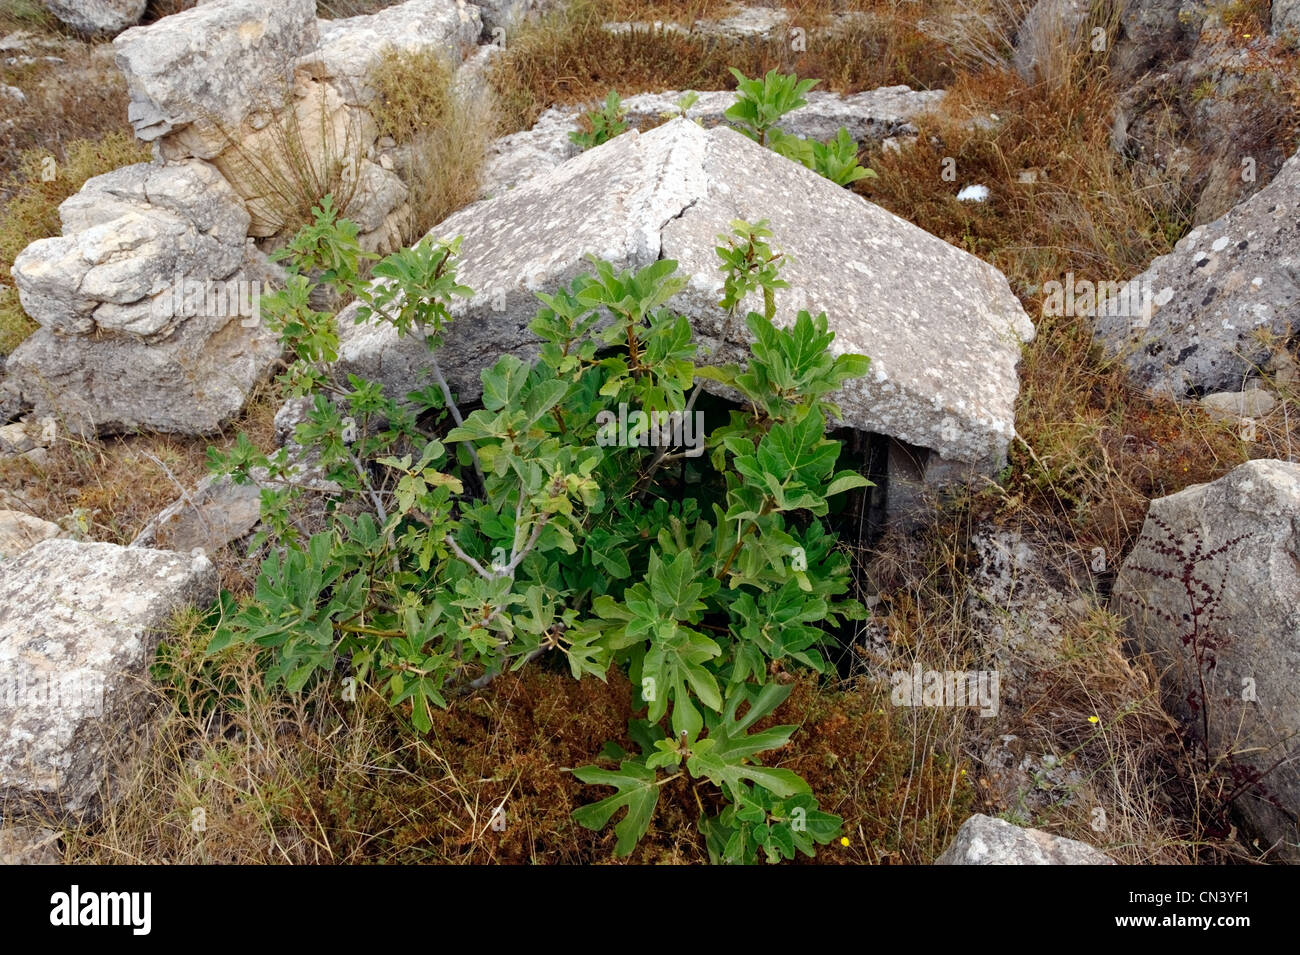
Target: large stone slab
942, 328
1225, 288
147, 304
195, 77
984, 840
509, 14
79, 624
1228, 555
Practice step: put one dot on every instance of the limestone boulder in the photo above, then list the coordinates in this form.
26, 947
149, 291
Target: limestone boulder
352, 47
97, 18
149, 304
79, 624
1212, 591
1210, 306
872, 116
1285, 17
942, 328
196, 78
508, 14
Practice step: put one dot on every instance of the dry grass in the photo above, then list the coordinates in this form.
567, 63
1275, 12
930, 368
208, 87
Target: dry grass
318, 779
79, 95
26, 15
442, 135
310, 146
1099, 450
108, 489
567, 58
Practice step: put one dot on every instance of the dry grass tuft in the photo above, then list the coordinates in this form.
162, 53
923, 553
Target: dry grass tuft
442, 134
567, 58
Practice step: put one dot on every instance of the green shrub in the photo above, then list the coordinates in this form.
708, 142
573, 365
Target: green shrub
759, 106
601, 125
582, 514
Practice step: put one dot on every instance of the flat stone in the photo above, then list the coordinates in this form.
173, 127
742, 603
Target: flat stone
29, 845
870, 117
1235, 405
214, 514
20, 532
14, 438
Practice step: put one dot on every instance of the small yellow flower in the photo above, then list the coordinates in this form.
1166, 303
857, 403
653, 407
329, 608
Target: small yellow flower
1093, 719
844, 840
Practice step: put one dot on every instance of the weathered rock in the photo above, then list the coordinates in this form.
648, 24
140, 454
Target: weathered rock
309, 139
1236, 405
20, 532
1285, 17
941, 327
97, 18
197, 76
79, 624
219, 512
1211, 297
1200, 128
508, 14
869, 117
984, 840
1228, 554
14, 438
147, 304
29, 845
351, 48
747, 23
1025, 593
126, 236
208, 518
1157, 32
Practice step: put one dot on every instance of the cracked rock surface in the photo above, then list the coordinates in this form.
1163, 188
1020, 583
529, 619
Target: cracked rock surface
79, 624
942, 328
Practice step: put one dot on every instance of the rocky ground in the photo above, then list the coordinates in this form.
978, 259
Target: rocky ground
1076, 271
